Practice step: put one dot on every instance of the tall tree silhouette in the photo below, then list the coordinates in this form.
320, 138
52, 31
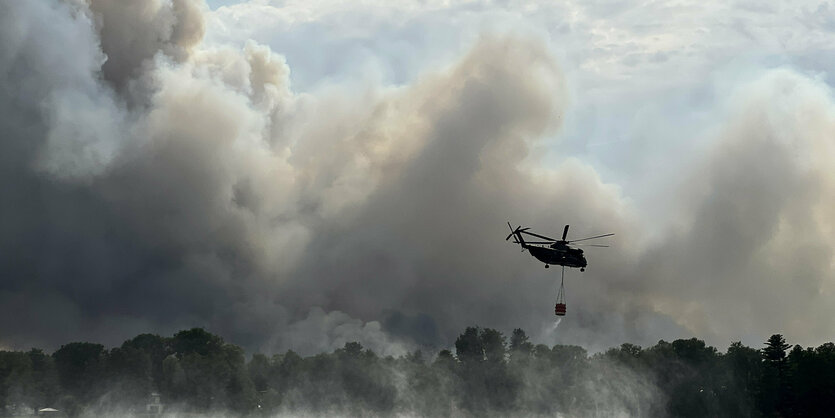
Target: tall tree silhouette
520, 346
774, 385
468, 346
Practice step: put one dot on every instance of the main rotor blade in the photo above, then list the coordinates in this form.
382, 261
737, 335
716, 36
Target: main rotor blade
585, 239
564, 232
592, 245
537, 235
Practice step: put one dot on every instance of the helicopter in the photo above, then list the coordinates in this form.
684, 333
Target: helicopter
555, 252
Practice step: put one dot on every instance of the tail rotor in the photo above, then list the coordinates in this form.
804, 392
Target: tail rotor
517, 235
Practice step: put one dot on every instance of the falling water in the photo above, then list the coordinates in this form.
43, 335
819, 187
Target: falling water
549, 330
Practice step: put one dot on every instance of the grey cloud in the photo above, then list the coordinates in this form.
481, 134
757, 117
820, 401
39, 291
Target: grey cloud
198, 215
420, 329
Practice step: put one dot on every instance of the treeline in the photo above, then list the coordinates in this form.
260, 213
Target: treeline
488, 374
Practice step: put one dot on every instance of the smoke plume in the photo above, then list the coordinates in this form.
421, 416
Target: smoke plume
155, 182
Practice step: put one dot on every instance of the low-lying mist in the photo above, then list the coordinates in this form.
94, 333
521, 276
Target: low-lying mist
196, 373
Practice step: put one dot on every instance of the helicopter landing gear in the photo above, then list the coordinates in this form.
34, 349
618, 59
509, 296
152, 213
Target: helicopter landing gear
583, 269
546, 266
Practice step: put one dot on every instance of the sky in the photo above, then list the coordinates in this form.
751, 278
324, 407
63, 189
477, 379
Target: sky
298, 174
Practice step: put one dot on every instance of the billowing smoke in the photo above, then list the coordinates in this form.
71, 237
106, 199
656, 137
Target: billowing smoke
752, 249
151, 182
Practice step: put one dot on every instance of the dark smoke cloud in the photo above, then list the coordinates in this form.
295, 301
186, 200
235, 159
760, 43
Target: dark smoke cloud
152, 183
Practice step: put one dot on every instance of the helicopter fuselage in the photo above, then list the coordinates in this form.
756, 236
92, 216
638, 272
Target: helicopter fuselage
568, 257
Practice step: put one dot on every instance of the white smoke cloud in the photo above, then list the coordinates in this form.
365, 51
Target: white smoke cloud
755, 243
327, 331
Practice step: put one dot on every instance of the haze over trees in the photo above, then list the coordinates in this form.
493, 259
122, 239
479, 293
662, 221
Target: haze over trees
487, 374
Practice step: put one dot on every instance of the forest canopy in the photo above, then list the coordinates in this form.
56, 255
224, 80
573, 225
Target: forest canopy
488, 373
